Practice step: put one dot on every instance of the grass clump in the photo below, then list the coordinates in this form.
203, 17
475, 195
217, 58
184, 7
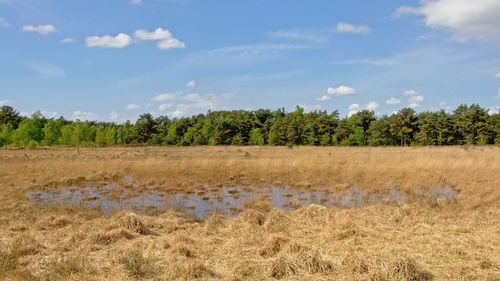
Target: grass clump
138, 266
132, 222
8, 262
300, 260
111, 236
199, 271
64, 269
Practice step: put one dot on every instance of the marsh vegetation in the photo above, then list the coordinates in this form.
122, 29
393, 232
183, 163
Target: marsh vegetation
449, 233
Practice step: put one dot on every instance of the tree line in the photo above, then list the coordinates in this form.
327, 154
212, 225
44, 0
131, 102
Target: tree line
467, 124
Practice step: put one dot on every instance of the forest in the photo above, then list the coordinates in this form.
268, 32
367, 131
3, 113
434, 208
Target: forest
467, 124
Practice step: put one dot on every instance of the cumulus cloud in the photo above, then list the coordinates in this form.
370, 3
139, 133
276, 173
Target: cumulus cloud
47, 71
6, 102
410, 93
372, 106
340, 91
324, 98
119, 41
132, 106
337, 92
497, 75
415, 101
494, 110
84, 115
178, 105
68, 40
191, 84
164, 97
4, 22
355, 108
114, 115
393, 101
43, 29
343, 27
164, 38
465, 18
49, 114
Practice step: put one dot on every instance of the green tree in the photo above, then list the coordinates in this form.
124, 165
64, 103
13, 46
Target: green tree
29, 129
144, 128
52, 132
8, 115
256, 137
403, 125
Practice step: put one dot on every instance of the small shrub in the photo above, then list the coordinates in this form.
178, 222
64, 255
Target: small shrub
33, 144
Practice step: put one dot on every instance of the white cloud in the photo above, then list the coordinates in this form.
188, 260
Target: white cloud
164, 97
49, 114
6, 102
340, 91
164, 37
498, 95
68, 40
497, 75
47, 71
393, 101
119, 41
132, 106
343, 27
114, 115
337, 92
4, 22
324, 98
494, 110
43, 29
415, 101
191, 84
135, 2
84, 116
179, 105
410, 93
372, 106
467, 19
355, 108
172, 43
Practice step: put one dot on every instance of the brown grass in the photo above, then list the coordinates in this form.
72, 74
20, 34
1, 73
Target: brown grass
457, 240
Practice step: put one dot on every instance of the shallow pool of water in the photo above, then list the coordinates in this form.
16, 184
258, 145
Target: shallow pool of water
230, 201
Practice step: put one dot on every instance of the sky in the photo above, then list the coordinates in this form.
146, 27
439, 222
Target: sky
112, 60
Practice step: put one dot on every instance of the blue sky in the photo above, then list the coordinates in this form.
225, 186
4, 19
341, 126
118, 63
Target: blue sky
114, 59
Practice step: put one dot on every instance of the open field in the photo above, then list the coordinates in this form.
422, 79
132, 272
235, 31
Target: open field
449, 238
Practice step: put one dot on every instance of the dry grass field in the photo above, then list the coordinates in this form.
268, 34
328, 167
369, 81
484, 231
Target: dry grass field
427, 239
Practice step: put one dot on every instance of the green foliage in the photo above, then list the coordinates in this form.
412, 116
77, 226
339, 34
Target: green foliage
9, 115
256, 137
466, 125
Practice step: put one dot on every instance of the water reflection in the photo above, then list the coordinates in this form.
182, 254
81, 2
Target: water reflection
202, 202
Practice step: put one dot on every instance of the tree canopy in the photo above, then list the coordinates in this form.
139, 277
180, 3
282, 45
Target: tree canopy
467, 124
